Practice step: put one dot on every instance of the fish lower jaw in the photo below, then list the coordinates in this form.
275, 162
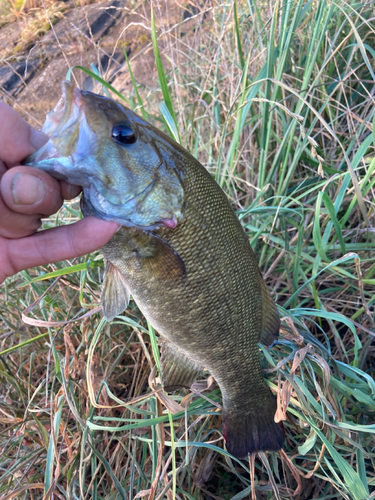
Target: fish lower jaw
87, 209
103, 209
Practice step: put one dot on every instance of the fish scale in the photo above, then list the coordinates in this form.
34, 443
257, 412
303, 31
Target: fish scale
181, 253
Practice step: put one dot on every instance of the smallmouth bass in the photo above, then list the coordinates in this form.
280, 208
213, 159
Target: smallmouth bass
181, 253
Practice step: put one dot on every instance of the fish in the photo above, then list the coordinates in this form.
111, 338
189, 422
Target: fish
180, 252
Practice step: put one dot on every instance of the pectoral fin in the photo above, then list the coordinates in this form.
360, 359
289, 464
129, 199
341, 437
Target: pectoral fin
270, 318
177, 370
159, 259
137, 250
115, 293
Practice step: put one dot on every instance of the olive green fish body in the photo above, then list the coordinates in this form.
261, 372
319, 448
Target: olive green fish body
204, 295
182, 254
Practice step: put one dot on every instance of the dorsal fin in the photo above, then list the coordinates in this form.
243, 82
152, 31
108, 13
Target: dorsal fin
115, 293
270, 318
176, 369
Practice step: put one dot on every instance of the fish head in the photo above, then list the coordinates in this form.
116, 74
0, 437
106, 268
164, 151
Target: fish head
128, 169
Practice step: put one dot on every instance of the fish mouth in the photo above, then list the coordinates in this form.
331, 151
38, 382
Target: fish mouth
67, 130
66, 111
70, 139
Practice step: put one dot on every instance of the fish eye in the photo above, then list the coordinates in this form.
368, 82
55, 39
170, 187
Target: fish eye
123, 134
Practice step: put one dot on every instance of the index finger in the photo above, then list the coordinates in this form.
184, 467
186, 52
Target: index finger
54, 245
17, 138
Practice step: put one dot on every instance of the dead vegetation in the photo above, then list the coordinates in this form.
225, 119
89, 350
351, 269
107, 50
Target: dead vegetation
276, 100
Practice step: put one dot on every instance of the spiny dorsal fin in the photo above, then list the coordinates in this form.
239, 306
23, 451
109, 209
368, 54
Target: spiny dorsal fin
270, 318
176, 369
115, 293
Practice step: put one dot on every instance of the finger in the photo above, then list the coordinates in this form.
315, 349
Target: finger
28, 190
17, 138
14, 225
60, 243
68, 191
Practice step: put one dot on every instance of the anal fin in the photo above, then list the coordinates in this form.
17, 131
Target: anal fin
177, 370
115, 294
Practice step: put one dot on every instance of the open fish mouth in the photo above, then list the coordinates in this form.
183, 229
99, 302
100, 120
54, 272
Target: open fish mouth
66, 127
66, 110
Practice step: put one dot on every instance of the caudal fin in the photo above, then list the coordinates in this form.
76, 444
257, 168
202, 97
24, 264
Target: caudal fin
254, 429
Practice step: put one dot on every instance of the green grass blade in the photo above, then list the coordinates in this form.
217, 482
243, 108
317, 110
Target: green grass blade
96, 77
238, 35
135, 86
316, 230
52, 446
109, 471
63, 271
161, 74
351, 478
345, 258
171, 124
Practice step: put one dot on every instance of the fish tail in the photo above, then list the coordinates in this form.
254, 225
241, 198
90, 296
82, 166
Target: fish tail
247, 431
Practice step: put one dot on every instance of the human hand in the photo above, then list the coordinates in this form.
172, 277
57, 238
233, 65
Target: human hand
26, 195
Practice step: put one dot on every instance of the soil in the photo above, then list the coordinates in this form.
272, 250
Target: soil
95, 34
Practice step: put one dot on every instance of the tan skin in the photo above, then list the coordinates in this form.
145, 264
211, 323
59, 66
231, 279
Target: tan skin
27, 195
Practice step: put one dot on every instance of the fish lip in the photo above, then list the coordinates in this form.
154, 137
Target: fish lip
70, 104
68, 111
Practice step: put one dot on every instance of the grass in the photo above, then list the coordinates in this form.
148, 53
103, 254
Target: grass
276, 101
